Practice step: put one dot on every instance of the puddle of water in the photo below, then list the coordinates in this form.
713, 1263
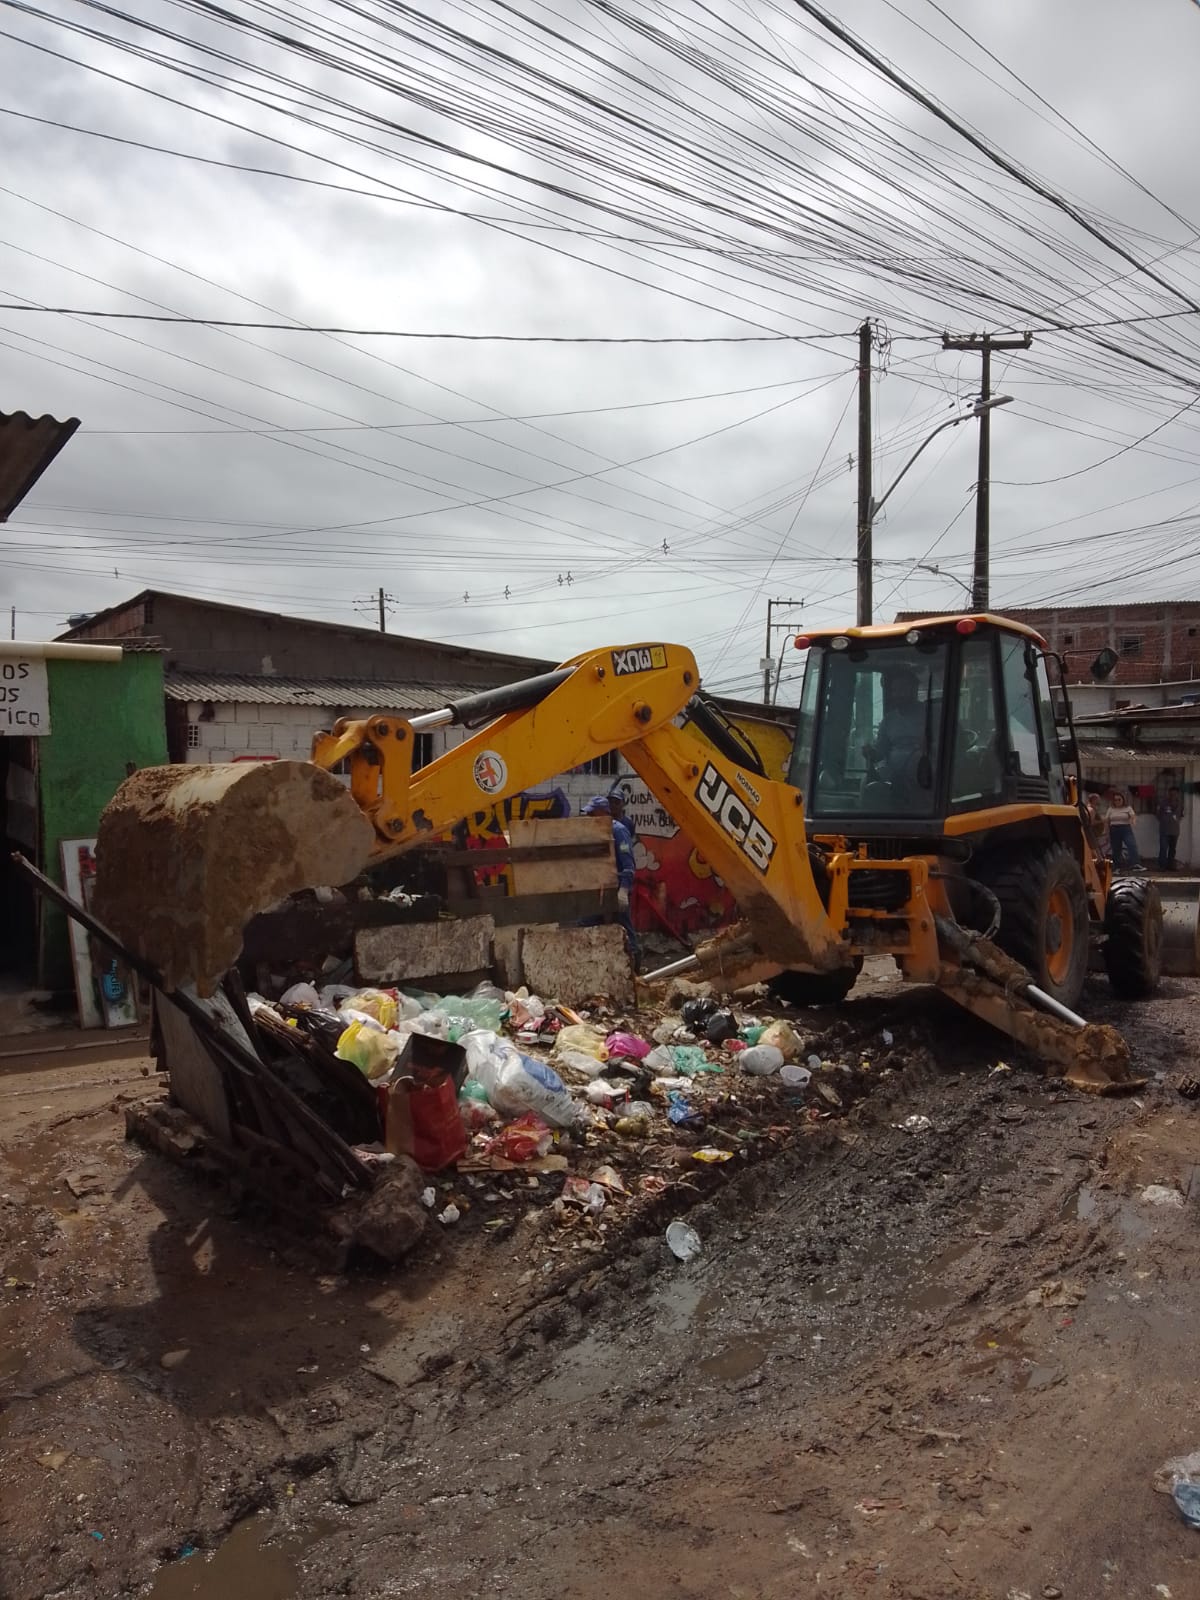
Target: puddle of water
1134, 1223
585, 1372
929, 1291
739, 1358
997, 1345
242, 1567
684, 1303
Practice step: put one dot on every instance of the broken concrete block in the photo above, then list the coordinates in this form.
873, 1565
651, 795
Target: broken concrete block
390, 1218
571, 964
506, 955
413, 951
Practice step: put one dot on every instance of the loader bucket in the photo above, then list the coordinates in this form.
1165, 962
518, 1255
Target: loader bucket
186, 855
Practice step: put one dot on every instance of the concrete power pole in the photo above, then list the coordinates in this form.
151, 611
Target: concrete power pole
769, 665
866, 508
984, 344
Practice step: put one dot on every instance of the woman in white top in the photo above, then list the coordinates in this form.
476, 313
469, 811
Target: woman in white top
1121, 836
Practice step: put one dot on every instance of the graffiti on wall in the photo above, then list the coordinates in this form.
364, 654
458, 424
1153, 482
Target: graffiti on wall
492, 822
676, 888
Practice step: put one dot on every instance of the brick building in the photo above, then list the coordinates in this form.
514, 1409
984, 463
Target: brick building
1156, 644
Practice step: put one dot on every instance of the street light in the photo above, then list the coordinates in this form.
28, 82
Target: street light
941, 572
981, 408
977, 410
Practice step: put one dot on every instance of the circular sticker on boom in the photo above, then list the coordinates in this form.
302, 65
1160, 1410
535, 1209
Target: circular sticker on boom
491, 771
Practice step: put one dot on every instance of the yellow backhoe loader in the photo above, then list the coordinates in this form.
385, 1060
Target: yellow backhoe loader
931, 813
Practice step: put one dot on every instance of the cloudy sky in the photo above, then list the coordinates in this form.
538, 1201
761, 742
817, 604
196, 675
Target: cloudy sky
726, 183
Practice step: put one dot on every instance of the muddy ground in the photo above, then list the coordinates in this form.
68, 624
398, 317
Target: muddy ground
939, 1365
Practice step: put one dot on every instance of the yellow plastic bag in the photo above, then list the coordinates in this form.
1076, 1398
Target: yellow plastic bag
587, 1041
375, 1003
785, 1039
371, 1050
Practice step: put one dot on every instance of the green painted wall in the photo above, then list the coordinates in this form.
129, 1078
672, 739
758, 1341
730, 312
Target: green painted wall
104, 716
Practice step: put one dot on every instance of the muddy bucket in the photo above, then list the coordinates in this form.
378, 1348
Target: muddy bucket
186, 855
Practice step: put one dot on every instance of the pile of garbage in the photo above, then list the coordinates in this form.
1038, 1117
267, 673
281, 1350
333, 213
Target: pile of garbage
507, 1100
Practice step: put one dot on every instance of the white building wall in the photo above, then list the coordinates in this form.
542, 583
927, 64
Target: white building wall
1094, 699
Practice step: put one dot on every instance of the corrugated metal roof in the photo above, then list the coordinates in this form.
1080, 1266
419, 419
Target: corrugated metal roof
509, 667
357, 694
27, 447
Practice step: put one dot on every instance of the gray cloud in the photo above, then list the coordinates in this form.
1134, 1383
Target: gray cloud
312, 522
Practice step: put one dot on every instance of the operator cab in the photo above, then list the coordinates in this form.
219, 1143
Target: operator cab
904, 728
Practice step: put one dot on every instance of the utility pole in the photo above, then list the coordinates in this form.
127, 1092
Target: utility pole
382, 614
984, 344
768, 663
865, 505
12, 624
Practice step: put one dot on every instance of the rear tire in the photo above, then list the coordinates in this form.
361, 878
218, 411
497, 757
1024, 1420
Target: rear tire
1044, 918
815, 988
1133, 946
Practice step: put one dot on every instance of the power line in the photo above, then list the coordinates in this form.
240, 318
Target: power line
399, 333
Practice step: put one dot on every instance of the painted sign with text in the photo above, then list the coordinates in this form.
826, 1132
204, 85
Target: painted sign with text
24, 697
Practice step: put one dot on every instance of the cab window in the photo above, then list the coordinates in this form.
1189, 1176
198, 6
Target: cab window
1021, 702
1058, 782
978, 763
878, 732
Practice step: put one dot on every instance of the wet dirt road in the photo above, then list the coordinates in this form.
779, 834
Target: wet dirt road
937, 1364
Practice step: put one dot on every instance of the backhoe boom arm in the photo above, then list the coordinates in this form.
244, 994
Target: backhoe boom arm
749, 827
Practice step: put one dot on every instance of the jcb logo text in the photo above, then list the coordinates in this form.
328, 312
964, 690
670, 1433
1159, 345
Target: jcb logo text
735, 816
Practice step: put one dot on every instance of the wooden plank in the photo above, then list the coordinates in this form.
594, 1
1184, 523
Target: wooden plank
590, 865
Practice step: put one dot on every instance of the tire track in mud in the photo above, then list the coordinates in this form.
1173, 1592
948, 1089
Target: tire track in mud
617, 1398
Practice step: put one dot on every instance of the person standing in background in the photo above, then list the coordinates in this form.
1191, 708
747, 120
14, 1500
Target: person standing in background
1170, 810
1097, 823
601, 806
1121, 817
618, 812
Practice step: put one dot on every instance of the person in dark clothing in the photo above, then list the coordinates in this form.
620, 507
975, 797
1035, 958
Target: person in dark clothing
623, 850
1170, 815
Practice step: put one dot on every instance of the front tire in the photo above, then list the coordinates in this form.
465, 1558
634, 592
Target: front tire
1133, 945
1044, 919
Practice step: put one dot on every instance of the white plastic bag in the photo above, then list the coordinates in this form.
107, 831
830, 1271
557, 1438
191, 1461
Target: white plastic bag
300, 994
760, 1059
515, 1083
434, 1024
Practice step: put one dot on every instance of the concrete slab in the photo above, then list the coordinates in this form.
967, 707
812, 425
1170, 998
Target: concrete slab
572, 964
410, 953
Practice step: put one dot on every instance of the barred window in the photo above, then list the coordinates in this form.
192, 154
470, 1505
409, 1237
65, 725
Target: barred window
606, 766
193, 736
